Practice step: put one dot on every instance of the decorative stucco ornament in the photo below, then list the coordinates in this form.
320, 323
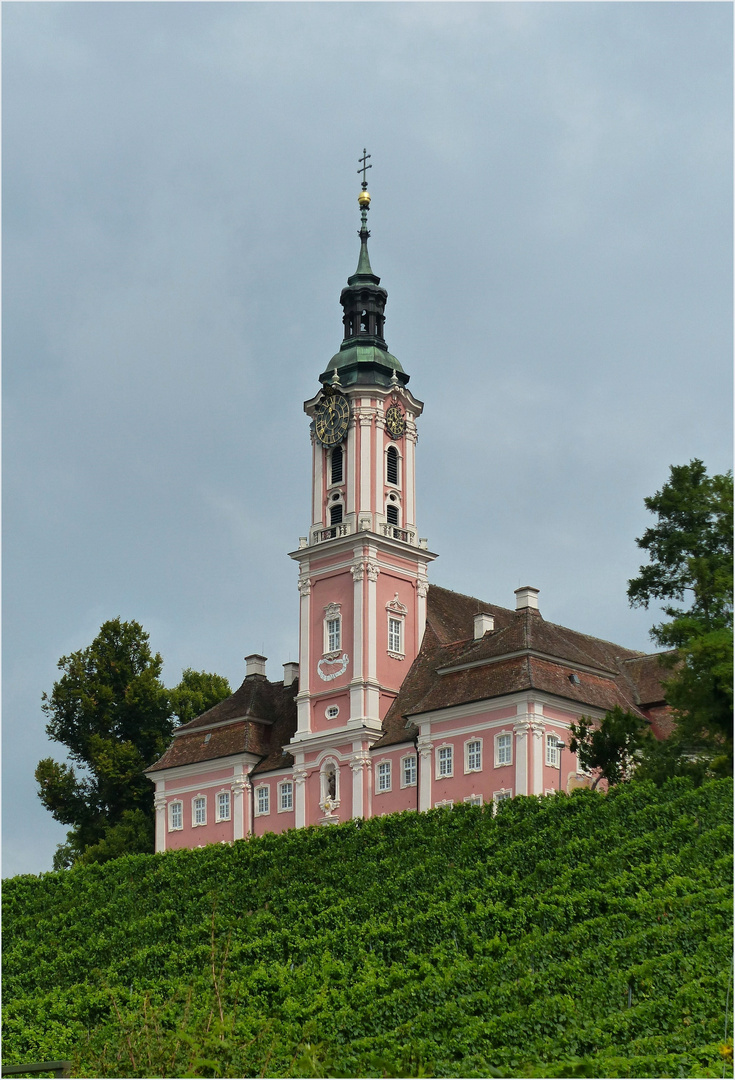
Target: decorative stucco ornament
343, 661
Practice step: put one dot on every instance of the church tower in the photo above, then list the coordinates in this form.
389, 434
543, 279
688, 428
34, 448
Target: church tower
362, 566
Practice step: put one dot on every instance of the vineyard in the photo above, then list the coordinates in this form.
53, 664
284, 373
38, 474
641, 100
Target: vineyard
588, 935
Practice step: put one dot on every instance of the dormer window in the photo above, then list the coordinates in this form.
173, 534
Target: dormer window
391, 470
336, 463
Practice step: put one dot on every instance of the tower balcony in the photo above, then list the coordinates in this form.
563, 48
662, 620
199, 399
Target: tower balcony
322, 534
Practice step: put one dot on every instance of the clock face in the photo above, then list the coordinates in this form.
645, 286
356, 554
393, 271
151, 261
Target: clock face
331, 420
395, 422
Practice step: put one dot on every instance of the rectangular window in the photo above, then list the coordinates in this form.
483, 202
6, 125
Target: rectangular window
394, 635
200, 810
409, 771
501, 796
445, 761
474, 756
333, 634
473, 800
286, 790
503, 749
384, 776
263, 800
223, 806
552, 751
176, 815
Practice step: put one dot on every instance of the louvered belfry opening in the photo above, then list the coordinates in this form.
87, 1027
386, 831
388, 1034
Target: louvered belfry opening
336, 463
392, 466
335, 514
391, 514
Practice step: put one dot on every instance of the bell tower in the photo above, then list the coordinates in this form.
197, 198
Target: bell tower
362, 567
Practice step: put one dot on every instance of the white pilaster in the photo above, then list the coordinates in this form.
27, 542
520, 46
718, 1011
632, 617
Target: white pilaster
299, 780
520, 729
359, 764
365, 420
537, 750
240, 788
159, 804
303, 702
425, 765
409, 475
371, 616
350, 475
379, 467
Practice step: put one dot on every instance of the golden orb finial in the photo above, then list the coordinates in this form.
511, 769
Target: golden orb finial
364, 198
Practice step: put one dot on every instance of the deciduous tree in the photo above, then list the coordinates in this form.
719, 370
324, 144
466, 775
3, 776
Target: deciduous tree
611, 747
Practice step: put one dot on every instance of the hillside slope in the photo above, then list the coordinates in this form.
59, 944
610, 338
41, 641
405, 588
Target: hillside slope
586, 935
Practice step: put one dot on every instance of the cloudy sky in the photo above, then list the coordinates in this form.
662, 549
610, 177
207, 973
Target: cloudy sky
551, 217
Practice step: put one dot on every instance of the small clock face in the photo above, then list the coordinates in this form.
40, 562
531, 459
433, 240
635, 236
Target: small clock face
395, 422
331, 420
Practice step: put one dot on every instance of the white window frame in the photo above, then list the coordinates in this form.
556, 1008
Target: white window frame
552, 758
442, 803
218, 806
172, 808
395, 634
195, 810
473, 800
282, 793
331, 712
383, 769
267, 789
502, 796
472, 768
414, 770
503, 735
332, 641
442, 774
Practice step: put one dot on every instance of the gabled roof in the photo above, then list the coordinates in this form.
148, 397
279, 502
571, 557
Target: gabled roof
523, 652
259, 718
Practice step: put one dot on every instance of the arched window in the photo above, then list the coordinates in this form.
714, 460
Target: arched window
391, 514
392, 466
336, 465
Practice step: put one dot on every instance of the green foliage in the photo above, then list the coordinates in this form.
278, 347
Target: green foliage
691, 557
113, 713
197, 692
611, 747
582, 935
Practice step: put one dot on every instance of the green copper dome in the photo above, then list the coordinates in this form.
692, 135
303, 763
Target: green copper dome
363, 358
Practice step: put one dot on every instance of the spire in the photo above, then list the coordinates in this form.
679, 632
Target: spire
363, 356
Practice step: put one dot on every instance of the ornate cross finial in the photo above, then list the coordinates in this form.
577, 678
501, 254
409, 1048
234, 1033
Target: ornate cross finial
365, 167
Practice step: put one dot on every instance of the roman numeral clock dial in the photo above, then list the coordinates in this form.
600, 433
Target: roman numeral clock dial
331, 420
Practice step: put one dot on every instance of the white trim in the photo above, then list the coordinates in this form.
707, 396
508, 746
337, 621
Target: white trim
414, 759
194, 799
473, 800
378, 765
505, 701
259, 788
334, 710
171, 805
467, 767
538, 655
442, 803
217, 812
502, 795
437, 761
281, 808
181, 772
498, 764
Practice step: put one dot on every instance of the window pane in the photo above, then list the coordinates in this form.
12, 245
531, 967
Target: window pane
503, 745
445, 761
474, 755
394, 635
409, 770
384, 776
333, 635
286, 796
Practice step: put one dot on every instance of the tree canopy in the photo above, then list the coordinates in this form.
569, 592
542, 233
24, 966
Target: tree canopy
115, 716
690, 550
612, 747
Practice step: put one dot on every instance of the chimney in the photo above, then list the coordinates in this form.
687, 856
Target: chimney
483, 623
290, 673
255, 664
526, 597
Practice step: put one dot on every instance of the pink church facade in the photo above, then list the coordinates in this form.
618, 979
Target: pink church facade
406, 696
